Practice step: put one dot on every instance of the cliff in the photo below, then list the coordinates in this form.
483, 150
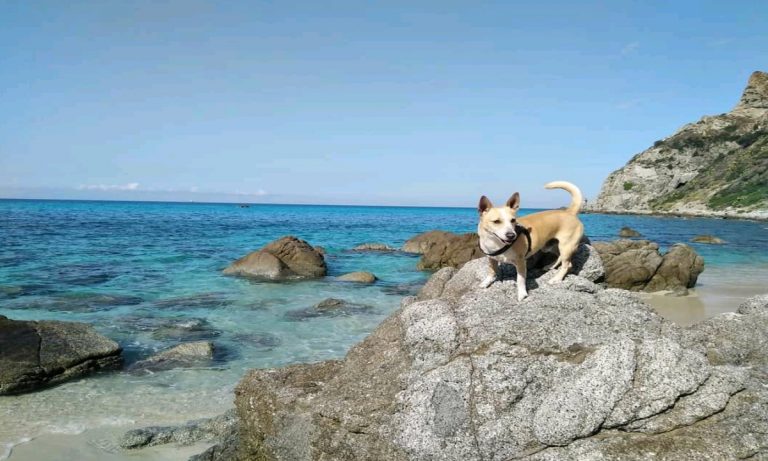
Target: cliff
717, 166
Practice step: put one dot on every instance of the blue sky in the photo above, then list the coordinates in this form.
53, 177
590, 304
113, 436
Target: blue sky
412, 103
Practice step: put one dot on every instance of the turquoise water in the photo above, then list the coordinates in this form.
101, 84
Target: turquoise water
139, 272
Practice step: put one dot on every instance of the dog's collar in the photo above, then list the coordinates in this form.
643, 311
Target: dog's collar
520, 230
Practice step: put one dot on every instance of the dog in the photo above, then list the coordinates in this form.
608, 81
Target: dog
506, 239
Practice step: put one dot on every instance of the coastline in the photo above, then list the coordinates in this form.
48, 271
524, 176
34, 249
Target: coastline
759, 216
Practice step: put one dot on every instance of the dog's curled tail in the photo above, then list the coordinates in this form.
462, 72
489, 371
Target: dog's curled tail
576, 197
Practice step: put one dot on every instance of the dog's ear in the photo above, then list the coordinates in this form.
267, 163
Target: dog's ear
514, 201
484, 204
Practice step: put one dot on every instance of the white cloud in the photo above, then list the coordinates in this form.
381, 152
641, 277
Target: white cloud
129, 186
630, 48
258, 193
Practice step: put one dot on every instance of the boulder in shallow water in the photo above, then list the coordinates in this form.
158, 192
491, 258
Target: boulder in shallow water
283, 258
627, 232
637, 265
374, 246
329, 307
38, 354
207, 429
198, 353
358, 277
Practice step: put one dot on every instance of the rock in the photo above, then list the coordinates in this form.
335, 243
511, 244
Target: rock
79, 302
711, 239
329, 307
713, 167
286, 257
443, 249
191, 329
375, 246
320, 250
679, 269
573, 372
627, 232
421, 243
207, 429
638, 265
198, 353
358, 277
38, 354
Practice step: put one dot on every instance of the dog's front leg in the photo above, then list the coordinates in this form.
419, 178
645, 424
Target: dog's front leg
522, 290
493, 267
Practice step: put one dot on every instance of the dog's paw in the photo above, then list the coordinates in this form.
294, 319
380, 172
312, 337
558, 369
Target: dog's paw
522, 295
487, 282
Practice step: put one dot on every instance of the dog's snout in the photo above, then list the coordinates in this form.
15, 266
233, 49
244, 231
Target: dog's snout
511, 235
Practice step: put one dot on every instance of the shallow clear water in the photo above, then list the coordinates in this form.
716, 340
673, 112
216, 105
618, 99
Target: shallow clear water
135, 270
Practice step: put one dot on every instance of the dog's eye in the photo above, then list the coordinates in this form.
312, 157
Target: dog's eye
497, 221
512, 221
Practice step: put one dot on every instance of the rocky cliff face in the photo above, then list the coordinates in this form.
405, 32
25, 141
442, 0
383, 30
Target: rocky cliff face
717, 166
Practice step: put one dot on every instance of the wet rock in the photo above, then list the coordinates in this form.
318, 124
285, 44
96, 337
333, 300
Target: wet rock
679, 269
78, 302
358, 277
39, 354
207, 429
374, 246
421, 243
627, 232
284, 258
711, 239
449, 250
199, 353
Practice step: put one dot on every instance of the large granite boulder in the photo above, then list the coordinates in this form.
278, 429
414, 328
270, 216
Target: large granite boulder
44, 353
443, 249
287, 257
573, 372
637, 265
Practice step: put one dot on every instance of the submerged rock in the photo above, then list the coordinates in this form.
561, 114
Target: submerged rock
207, 429
283, 258
358, 277
199, 353
637, 265
78, 302
211, 300
627, 232
192, 329
374, 246
711, 239
330, 307
38, 354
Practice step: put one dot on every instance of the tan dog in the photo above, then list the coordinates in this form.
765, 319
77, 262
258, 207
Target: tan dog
504, 238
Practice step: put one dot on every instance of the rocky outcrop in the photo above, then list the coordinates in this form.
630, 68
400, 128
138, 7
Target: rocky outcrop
443, 249
38, 354
637, 265
207, 429
717, 166
572, 372
198, 353
358, 277
287, 257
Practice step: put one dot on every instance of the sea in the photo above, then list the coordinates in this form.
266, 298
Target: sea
142, 272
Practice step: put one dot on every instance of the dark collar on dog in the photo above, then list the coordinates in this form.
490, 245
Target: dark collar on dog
520, 230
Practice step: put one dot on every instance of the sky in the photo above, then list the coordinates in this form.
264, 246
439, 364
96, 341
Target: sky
382, 103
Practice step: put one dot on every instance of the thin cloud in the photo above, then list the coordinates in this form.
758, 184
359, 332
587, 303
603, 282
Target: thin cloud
258, 193
630, 48
628, 104
129, 186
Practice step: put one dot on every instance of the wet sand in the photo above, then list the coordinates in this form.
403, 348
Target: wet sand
717, 291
